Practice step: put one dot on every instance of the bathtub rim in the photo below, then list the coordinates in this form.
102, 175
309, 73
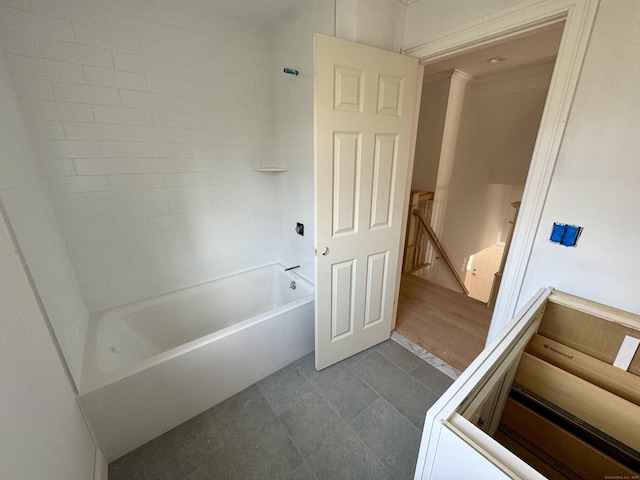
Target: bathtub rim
149, 301
163, 357
295, 275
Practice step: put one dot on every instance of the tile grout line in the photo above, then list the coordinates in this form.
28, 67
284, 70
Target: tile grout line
394, 408
428, 386
304, 459
380, 397
396, 364
348, 424
419, 431
403, 371
291, 406
427, 356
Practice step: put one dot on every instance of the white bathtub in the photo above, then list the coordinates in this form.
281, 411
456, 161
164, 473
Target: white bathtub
154, 364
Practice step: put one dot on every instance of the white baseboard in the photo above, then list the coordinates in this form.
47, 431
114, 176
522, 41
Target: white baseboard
101, 467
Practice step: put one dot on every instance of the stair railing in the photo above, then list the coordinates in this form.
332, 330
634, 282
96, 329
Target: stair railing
414, 243
424, 223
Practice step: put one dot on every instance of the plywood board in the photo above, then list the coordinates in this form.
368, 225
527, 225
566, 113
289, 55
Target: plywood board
528, 456
605, 411
587, 333
604, 375
563, 446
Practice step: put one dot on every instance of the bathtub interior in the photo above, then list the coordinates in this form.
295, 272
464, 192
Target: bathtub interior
144, 332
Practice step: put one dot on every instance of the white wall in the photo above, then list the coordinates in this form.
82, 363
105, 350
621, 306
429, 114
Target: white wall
427, 18
292, 47
498, 126
378, 23
513, 102
431, 122
595, 184
596, 179
43, 432
147, 119
468, 223
29, 209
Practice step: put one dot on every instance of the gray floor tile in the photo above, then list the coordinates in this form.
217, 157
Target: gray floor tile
357, 357
136, 465
194, 441
169, 456
399, 355
242, 438
391, 437
220, 467
148, 462
330, 447
248, 433
405, 393
303, 472
285, 388
272, 456
342, 388
433, 378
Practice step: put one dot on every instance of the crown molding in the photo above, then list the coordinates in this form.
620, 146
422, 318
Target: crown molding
453, 74
527, 71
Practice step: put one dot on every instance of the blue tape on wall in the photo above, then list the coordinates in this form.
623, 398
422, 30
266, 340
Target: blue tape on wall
570, 235
566, 235
556, 233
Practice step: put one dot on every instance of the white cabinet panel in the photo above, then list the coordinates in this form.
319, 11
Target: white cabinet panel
458, 460
452, 447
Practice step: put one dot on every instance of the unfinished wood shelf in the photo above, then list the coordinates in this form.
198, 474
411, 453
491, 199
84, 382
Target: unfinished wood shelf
572, 373
554, 393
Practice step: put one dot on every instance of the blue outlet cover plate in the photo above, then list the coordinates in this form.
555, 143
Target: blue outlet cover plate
566, 235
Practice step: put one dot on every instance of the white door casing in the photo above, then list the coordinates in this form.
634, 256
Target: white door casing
528, 16
579, 16
364, 112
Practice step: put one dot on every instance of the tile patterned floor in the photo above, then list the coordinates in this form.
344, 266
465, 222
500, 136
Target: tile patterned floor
359, 419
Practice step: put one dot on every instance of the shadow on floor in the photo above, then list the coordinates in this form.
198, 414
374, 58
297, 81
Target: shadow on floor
359, 419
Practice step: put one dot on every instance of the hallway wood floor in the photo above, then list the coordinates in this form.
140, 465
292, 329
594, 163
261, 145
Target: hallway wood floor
447, 324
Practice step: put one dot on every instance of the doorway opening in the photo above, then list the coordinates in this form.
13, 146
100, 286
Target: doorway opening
478, 124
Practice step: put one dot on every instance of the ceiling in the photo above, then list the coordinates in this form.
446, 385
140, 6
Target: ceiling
537, 48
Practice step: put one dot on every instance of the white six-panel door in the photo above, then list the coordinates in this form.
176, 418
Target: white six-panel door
364, 109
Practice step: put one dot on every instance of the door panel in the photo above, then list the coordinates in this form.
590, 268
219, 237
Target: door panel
384, 169
483, 268
390, 95
364, 103
376, 283
342, 301
348, 89
346, 168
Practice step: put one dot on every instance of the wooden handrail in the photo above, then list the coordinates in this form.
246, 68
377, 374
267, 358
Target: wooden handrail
436, 243
424, 196
413, 256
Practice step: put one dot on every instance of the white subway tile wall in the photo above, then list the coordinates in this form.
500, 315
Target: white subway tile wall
29, 209
292, 46
147, 118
